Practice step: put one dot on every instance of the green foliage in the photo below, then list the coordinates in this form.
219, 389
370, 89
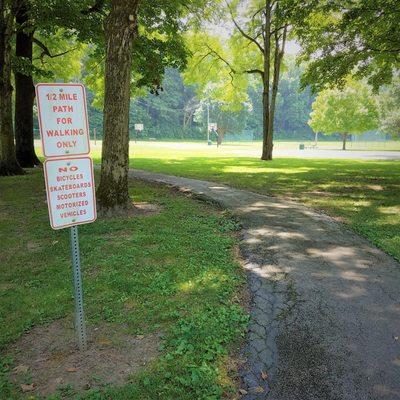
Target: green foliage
359, 38
65, 64
292, 109
350, 110
210, 70
178, 112
389, 101
158, 46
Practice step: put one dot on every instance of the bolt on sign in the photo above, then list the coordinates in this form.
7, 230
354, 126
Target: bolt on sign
63, 119
68, 171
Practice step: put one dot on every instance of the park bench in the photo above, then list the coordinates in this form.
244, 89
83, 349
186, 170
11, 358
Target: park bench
303, 146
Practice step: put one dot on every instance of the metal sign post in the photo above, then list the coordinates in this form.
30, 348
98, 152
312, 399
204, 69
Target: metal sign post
68, 172
78, 290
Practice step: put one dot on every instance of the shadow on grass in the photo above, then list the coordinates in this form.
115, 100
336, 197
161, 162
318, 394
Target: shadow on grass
365, 194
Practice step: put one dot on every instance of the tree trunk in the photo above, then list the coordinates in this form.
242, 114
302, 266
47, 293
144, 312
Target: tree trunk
121, 28
24, 97
267, 139
279, 53
344, 136
8, 161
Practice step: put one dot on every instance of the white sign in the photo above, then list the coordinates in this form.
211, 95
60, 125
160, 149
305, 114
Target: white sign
139, 127
212, 126
70, 191
63, 121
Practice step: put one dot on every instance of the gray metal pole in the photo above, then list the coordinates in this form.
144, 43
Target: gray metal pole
78, 291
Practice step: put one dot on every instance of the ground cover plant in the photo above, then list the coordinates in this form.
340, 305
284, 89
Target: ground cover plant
173, 272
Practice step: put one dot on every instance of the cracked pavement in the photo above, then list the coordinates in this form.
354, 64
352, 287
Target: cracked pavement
325, 303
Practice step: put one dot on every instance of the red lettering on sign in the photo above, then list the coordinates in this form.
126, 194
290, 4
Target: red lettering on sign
68, 96
64, 120
63, 109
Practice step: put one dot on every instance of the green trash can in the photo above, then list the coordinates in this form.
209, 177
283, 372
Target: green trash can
301, 146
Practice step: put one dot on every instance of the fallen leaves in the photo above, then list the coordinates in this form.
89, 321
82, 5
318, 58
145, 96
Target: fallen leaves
264, 375
104, 342
21, 369
27, 387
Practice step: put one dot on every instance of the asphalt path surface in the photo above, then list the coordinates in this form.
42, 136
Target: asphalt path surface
325, 303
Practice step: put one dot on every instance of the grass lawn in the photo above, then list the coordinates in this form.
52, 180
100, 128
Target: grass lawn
173, 272
363, 194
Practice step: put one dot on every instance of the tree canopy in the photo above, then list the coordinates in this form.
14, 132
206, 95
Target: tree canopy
341, 38
350, 110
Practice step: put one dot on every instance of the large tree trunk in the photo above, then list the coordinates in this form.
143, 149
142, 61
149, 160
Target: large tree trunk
121, 28
24, 96
344, 137
8, 161
278, 56
267, 139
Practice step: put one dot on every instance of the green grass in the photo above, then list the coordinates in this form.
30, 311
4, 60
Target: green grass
363, 194
176, 271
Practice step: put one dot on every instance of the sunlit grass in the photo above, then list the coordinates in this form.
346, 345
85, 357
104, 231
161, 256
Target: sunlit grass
363, 194
173, 272
357, 192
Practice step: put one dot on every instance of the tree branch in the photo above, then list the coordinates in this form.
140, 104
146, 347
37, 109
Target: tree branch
243, 33
232, 70
219, 57
97, 7
255, 71
46, 51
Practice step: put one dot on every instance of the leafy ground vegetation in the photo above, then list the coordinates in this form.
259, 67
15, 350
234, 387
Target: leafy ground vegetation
363, 194
173, 272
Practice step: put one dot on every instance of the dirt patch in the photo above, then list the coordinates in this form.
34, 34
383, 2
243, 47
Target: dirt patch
47, 359
134, 210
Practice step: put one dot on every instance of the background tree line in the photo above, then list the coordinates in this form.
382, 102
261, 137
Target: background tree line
178, 113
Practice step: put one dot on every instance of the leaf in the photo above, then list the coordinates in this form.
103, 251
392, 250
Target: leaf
264, 375
21, 369
259, 389
104, 341
27, 387
71, 369
242, 391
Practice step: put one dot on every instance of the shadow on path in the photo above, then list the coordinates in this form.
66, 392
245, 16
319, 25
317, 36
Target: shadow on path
325, 313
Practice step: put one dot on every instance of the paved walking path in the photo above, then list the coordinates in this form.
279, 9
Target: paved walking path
325, 315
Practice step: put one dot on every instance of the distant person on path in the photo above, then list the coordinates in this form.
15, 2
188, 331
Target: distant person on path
219, 137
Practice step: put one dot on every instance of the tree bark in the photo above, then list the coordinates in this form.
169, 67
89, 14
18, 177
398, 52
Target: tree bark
344, 136
24, 96
121, 30
8, 161
267, 139
279, 53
